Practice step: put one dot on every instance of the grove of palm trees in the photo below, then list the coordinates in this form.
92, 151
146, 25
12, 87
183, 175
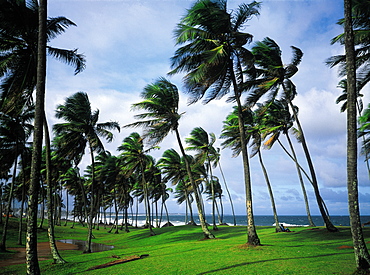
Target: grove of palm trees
67, 162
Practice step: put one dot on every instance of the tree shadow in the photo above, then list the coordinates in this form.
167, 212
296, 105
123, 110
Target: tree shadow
271, 260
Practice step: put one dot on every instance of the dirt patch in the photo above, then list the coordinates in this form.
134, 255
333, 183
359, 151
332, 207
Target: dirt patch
345, 247
43, 252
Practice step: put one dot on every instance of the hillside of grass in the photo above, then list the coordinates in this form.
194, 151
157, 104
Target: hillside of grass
182, 250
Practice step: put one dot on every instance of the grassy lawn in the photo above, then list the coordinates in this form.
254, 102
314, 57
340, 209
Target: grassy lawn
181, 250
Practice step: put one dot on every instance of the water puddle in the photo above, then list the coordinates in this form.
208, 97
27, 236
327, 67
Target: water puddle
95, 247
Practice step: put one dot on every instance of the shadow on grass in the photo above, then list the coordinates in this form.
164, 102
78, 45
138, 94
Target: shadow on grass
265, 261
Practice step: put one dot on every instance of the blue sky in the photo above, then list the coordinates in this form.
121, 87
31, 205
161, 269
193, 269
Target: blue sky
128, 44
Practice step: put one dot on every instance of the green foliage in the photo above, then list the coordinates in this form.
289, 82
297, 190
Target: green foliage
181, 250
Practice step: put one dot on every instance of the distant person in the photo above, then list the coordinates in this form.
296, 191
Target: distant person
366, 223
283, 228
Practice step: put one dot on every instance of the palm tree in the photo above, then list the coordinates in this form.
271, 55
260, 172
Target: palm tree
273, 76
279, 120
362, 256
361, 39
14, 133
137, 160
259, 131
161, 100
218, 163
200, 142
82, 129
213, 55
254, 132
174, 170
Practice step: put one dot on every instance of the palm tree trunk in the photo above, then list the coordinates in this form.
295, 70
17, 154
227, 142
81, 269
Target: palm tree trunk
53, 248
10, 198
277, 224
213, 195
329, 226
20, 233
228, 193
192, 222
362, 256
31, 243
206, 232
252, 238
311, 223
90, 217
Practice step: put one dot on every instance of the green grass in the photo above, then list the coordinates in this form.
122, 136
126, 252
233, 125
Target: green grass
181, 250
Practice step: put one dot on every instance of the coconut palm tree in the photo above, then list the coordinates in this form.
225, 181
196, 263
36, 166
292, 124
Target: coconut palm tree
173, 168
272, 76
202, 143
161, 100
82, 129
362, 256
213, 56
279, 120
138, 161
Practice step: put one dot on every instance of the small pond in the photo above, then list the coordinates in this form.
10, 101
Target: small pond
95, 247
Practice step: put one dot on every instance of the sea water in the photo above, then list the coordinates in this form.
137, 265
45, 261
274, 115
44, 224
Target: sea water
241, 220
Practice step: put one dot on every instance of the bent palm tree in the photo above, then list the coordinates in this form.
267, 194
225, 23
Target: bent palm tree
206, 153
213, 56
274, 76
161, 100
82, 129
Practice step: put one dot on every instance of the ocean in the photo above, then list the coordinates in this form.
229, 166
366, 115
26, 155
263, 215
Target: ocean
259, 220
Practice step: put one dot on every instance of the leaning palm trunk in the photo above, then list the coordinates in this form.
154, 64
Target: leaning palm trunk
362, 256
228, 193
192, 222
213, 196
10, 198
53, 248
206, 232
329, 226
277, 225
20, 230
294, 156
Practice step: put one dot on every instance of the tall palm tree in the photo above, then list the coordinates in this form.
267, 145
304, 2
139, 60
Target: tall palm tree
259, 131
279, 120
272, 77
137, 160
202, 143
213, 56
362, 256
161, 101
82, 129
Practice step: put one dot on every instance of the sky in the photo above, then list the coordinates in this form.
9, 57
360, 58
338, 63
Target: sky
128, 45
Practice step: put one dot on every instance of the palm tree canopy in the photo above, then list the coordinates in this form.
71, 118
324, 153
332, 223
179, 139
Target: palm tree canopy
160, 100
271, 73
211, 38
81, 126
202, 143
18, 50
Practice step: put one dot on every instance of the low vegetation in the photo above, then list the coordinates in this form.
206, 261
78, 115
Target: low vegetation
182, 250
